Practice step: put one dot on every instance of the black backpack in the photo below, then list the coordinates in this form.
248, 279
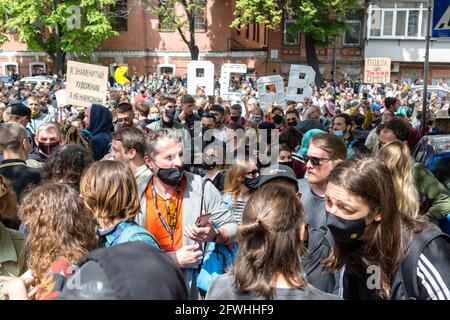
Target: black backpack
408, 269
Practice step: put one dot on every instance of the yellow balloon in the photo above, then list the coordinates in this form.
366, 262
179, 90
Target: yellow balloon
119, 75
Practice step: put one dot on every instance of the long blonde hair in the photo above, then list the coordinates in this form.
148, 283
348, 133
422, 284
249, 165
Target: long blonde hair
235, 177
397, 157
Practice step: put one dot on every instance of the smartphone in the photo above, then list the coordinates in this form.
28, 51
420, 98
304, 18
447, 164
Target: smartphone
203, 220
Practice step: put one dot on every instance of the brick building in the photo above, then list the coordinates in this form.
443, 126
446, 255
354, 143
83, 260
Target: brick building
144, 47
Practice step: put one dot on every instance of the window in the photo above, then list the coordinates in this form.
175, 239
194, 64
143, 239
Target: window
265, 36
257, 32
290, 35
254, 31
397, 20
166, 23
200, 16
352, 38
119, 20
247, 31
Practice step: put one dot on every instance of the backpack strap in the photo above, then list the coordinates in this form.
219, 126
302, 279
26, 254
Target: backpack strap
409, 264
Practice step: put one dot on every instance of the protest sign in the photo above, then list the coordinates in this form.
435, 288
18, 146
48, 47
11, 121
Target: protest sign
270, 90
300, 78
86, 84
61, 97
377, 70
200, 74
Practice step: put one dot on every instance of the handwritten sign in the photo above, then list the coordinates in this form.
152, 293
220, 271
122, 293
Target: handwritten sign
61, 97
377, 70
86, 84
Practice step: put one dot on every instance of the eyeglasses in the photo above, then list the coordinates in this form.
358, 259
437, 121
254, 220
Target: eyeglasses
315, 161
253, 173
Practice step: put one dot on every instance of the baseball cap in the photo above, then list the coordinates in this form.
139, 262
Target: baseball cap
278, 171
18, 109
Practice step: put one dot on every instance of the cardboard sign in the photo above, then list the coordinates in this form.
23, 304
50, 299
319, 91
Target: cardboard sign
200, 74
270, 90
300, 79
86, 84
61, 97
225, 79
377, 70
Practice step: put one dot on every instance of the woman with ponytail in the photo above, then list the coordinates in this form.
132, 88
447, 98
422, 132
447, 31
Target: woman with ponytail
268, 264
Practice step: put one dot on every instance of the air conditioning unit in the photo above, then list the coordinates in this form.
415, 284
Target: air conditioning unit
395, 67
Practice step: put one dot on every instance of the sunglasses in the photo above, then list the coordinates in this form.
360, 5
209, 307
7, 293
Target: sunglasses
315, 161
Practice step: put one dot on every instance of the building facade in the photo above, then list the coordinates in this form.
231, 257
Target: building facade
147, 46
397, 29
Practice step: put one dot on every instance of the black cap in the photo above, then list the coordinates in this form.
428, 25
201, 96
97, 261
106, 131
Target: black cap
20, 110
276, 172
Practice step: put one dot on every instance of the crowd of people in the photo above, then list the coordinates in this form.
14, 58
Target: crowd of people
164, 195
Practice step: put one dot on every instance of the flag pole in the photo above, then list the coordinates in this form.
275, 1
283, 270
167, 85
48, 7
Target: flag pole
425, 67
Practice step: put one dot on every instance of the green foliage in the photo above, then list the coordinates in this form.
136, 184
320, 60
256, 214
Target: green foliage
323, 20
36, 21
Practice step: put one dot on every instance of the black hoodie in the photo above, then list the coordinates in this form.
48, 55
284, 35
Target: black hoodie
100, 127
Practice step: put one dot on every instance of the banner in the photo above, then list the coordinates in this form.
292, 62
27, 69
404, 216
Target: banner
377, 70
300, 79
200, 74
230, 88
270, 90
86, 84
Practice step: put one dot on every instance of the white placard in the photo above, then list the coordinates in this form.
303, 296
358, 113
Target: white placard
270, 90
86, 84
61, 96
225, 74
300, 78
200, 74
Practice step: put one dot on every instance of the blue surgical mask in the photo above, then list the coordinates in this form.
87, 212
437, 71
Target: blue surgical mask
339, 133
155, 117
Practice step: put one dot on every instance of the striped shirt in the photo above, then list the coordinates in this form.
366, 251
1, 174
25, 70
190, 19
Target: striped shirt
238, 210
432, 280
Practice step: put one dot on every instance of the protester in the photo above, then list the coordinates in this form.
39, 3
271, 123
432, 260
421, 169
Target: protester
268, 264
48, 137
109, 190
66, 165
37, 117
172, 200
167, 120
369, 231
99, 122
60, 231
12, 253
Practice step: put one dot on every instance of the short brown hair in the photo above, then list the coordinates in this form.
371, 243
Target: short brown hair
143, 108
165, 100
187, 98
11, 135
331, 144
131, 138
109, 190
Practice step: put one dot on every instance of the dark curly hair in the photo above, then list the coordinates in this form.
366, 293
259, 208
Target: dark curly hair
66, 164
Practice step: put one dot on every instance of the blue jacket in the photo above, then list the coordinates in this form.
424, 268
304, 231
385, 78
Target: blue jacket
100, 123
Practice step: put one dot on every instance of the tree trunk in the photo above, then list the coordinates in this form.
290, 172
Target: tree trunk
193, 48
311, 58
59, 59
194, 51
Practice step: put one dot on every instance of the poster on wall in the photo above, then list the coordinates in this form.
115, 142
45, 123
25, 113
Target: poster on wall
200, 74
230, 87
86, 84
300, 79
377, 70
270, 90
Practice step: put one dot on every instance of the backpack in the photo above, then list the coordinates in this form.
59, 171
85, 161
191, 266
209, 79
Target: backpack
408, 269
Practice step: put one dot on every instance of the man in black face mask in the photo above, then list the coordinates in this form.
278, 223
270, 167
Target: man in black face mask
172, 202
168, 105
236, 114
48, 137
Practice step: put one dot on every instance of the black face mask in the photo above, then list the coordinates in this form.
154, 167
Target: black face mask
142, 91
170, 114
47, 148
277, 119
209, 163
235, 118
345, 231
252, 184
292, 123
170, 176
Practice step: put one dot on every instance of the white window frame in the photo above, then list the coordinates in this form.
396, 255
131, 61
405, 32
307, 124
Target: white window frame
422, 11
6, 64
285, 43
32, 64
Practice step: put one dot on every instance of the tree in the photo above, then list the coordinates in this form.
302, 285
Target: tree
58, 27
185, 24
322, 21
